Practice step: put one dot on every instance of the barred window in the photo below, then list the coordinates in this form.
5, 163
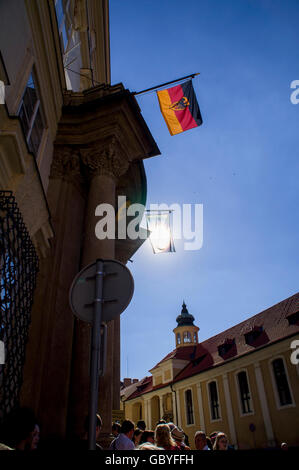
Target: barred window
18, 269
214, 401
189, 407
282, 384
31, 117
244, 392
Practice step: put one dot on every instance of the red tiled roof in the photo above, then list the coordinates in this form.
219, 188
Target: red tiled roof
205, 355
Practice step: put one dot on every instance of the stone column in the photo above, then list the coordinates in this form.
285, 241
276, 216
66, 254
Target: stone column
179, 408
264, 405
174, 407
104, 166
200, 407
230, 415
161, 406
49, 354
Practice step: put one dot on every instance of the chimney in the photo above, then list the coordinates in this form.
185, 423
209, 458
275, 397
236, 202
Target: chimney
127, 382
135, 380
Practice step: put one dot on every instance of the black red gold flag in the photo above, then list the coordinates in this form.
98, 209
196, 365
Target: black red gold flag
180, 108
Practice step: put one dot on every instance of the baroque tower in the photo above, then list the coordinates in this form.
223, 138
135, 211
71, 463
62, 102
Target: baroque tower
186, 333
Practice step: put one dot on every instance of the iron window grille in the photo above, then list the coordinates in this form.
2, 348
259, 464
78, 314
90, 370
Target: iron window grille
214, 401
244, 392
281, 380
18, 271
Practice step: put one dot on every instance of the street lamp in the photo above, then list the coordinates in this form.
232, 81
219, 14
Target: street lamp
158, 224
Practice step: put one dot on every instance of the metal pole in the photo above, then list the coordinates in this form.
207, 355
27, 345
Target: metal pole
95, 354
192, 75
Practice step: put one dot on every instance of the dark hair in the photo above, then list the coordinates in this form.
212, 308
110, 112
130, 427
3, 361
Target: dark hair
86, 422
137, 432
146, 435
116, 427
127, 426
141, 425
209, 443
18, 425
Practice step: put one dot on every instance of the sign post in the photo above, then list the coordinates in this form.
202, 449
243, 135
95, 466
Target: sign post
99, 293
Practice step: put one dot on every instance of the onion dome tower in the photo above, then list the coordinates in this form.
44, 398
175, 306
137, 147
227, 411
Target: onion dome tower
186, 333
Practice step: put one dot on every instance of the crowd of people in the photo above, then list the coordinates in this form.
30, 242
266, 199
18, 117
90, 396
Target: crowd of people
21, 432
166, 436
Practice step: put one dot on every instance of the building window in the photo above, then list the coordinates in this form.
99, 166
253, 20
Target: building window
63, 22
214, 402
187, 337
178, 338
244, 392
189, 407
31, 117
194, 337
281, 381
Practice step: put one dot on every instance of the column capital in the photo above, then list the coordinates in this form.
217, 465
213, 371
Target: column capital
105, 159
65, 164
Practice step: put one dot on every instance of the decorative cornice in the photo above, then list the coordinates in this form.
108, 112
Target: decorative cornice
65, 164
108, 160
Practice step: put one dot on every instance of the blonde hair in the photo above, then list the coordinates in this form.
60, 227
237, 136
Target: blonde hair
219, 436
163, 437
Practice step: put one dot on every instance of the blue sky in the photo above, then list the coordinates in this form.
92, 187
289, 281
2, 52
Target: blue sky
242, 164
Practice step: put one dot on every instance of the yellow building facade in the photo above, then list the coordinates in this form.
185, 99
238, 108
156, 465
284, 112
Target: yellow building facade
244, 381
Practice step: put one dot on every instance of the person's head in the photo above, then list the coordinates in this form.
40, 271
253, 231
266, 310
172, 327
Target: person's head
163, 437
221, 442
35, 437
98, 425
177, 435
20, 428
148, 436
141, 425
284, 446
137, 436
213, 436
200, 440
116, 429
127, 428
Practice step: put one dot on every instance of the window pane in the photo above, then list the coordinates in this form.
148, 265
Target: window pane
36, 133
214, 400
189, 406
281, 382
244, 392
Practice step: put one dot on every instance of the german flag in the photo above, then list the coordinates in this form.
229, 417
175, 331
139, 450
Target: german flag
179, 108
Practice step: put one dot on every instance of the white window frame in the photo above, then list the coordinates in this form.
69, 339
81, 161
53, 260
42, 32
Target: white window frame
274, 385
210, 403
252, 412
186, 410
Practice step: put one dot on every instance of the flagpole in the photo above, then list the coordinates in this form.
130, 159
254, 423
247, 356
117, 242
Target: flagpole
164, 84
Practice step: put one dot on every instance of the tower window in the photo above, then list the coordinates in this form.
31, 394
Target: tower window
195, 337
214, 401
178, 338
189, 407
244, 392
187, 337
282, 384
